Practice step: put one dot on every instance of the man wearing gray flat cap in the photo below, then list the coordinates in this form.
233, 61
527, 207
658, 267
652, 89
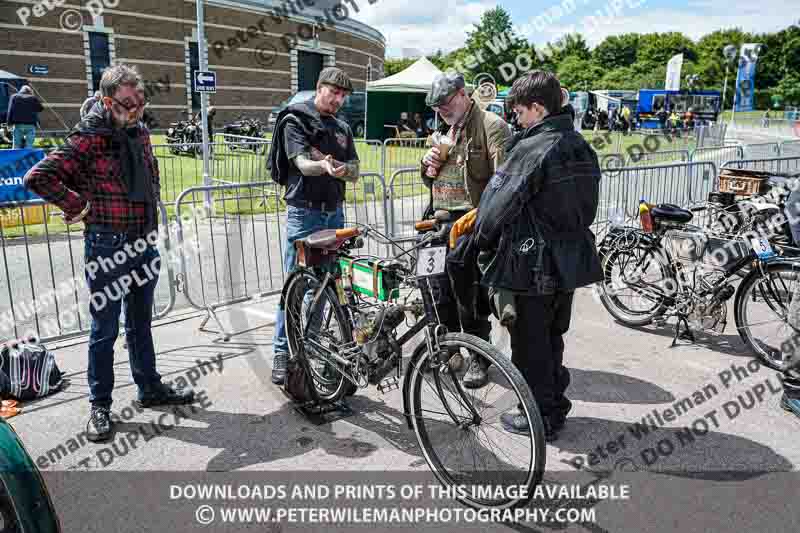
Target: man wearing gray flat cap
457, 180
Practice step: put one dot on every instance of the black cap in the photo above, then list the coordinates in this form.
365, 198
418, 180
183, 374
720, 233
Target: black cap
336, 77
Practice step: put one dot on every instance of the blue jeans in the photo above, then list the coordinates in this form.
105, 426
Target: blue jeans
23, 133
301, 222
132, 279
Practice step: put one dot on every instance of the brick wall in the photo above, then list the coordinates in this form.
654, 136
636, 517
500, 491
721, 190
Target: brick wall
265, 70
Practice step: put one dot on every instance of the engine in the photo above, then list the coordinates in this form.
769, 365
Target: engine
375, 333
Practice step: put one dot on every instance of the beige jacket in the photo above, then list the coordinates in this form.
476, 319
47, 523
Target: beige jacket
479, 152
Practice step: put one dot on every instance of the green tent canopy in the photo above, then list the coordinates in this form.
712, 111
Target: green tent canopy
404, 91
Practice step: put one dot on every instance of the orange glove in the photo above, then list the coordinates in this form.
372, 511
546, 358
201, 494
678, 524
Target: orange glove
463, 226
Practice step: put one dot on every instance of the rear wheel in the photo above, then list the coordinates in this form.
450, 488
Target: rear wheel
328, 331
460, 431
636, 285
767, 310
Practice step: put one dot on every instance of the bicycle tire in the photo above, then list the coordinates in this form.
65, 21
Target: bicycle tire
295, 295
610, 300
771, 356
416, 374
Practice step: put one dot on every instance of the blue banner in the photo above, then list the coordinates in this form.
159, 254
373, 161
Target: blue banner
13, 166
745, 78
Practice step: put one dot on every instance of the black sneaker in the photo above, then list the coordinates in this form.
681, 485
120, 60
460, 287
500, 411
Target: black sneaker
98, 429
165, 395
279, 362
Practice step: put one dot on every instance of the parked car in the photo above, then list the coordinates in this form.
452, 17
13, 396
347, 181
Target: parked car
352, 110
25, 503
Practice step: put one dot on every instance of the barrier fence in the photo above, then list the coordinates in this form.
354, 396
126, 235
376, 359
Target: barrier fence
44, 278
244, 221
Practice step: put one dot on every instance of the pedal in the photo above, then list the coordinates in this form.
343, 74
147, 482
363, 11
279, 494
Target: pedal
388, 385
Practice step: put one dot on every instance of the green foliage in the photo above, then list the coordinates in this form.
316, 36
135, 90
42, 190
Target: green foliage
626, 61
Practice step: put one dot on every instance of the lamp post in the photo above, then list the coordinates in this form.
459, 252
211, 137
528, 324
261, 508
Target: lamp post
729, 53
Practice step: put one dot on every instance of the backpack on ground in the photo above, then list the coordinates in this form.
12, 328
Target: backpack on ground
28, 370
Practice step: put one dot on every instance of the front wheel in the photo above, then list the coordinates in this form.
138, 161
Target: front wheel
637, 284
767, 310
460, 430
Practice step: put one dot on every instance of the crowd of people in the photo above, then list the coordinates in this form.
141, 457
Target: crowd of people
521, 206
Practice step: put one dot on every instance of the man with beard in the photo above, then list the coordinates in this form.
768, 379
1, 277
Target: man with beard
456, 183
106, 176
536, 246
314, 155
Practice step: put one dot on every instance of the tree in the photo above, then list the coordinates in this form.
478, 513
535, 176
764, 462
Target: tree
658, 48
393, 66
711, 61
570, 45
578, 74
492, 43
789, 89
616, 51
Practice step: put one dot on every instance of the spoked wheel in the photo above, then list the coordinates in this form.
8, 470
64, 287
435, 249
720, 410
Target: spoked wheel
768, 311
636, 283
328, 331
460, 430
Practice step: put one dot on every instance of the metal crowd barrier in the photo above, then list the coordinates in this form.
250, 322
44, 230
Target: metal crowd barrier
235, 251
367, 202
657, 158
790, 148
774, 164
402, 154
44, 279
717, 154
762, 150
408, 197
371, 156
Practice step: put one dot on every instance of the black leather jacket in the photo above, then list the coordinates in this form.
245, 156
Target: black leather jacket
534, 216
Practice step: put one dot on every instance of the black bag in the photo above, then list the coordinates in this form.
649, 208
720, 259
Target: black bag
30, 371
298, 382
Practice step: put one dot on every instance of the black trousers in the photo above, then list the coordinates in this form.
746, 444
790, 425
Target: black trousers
537, 347
473, 318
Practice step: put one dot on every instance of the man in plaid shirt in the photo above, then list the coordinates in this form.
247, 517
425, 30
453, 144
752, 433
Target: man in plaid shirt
106, 176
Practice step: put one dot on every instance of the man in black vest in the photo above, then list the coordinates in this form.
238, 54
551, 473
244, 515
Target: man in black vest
314, 154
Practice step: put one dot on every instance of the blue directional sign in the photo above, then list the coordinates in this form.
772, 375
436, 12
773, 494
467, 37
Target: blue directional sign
38, 70
205, 81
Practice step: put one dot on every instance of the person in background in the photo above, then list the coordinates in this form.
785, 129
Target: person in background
89, 103
765, 119
419, 126
314, 153
626, 120
107, 177
457, 183
405, 126
536, 246
23, 115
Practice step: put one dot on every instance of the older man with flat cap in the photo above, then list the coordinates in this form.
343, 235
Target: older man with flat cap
457, 182
314, 155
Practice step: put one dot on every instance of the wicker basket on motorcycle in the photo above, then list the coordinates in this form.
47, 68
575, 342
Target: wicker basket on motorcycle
742, 182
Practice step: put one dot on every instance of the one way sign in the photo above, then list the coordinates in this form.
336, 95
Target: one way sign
205, 81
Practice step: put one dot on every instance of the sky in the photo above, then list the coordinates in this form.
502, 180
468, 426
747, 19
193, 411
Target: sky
414, 27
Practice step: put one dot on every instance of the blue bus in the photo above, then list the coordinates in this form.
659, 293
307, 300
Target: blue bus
705, 105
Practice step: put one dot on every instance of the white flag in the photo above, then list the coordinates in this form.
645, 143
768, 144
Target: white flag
673, 81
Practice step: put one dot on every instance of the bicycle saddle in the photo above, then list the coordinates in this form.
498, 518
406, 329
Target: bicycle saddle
330, 239
672, 213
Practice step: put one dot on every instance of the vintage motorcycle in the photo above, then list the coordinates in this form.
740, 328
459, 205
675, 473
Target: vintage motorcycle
239, 135
185, 137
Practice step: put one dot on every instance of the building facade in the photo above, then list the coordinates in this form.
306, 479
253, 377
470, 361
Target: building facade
261, 51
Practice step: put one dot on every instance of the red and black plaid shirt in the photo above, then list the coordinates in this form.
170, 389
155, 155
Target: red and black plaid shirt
86, 169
